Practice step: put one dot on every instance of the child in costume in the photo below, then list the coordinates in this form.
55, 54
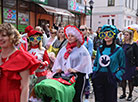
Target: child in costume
15, 66
74, 58
108, 66
35, 48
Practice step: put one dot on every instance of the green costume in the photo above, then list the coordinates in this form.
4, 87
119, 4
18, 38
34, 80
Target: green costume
58, 91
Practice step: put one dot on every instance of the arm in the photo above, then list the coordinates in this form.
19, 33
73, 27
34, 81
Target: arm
44, 39
71, 70
135, 47
46, 57
90, 47
96, 61
121, 60
24, 86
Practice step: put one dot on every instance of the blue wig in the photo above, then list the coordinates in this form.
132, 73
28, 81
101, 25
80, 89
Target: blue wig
107, 27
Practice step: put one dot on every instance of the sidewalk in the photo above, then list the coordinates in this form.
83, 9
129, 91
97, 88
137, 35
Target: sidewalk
135, 95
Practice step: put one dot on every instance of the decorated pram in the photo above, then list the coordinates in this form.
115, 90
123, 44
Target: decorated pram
58, 89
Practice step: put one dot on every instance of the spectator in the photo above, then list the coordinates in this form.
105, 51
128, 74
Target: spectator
61, 41
91, 34
97, 41
89, 45
52, 38
130, 49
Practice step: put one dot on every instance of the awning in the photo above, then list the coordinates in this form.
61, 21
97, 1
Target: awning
41, 1
56, 10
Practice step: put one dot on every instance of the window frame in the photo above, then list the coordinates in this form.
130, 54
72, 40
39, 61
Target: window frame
129, 4
111, 2
126, 3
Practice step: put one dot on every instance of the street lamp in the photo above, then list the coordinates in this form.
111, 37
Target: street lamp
91, 7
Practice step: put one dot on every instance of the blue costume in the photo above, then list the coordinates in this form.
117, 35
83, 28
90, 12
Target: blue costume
108, 68
117, 61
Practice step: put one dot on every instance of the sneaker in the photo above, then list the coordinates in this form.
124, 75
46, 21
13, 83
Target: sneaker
129, 98
122, 96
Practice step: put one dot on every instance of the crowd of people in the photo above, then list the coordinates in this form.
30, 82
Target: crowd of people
107, 57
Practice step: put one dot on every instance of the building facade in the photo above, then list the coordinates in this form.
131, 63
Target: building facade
22, 13
120, 13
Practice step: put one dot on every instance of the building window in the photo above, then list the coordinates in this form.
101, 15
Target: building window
111, 2
108, 21
133, 4
9, 4
113, 22
128, 22
125, 23
65, 20
131, 22
125, 3
137, 6
129, 3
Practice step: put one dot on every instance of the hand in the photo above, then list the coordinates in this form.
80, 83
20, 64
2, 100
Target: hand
58, 71
45, 63
71, 70
136, 68
105, 61
47, 47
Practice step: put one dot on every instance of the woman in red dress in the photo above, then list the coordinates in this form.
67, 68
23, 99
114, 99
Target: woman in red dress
15, 66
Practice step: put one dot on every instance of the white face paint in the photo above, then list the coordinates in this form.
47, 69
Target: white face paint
104, 60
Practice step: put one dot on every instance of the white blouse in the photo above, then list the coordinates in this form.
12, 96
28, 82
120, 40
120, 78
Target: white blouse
37, 52
79, 59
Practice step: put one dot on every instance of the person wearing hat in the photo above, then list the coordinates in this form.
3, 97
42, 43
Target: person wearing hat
108, 66
15, 66
35, 48
40, 29
130, 49
74, 58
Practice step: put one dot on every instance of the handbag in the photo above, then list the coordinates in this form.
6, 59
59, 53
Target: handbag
135, 79
52, 49
55, 50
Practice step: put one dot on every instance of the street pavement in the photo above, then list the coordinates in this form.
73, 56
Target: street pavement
135, 95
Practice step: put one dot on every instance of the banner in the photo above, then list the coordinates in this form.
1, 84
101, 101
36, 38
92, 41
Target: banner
9, 16
74, 6
23, 21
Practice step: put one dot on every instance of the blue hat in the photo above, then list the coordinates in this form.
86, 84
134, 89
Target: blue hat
107, 27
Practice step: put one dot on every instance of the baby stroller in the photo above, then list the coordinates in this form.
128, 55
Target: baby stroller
58, 89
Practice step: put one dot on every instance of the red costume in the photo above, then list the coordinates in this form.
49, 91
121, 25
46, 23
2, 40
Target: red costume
10, 80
